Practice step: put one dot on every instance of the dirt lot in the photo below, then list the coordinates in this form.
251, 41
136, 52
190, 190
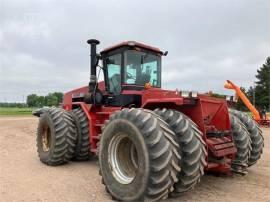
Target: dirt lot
24, 178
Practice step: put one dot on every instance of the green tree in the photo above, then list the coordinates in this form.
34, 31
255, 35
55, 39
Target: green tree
51, 100
262, 89
59, 96
250, 94
41, 101
32, 100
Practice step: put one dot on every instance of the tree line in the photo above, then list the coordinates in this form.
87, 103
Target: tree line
52, 99
34, 100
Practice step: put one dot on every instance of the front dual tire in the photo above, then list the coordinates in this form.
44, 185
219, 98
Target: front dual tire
137, 156
192, 149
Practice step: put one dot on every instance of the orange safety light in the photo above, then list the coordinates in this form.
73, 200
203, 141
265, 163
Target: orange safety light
147, 85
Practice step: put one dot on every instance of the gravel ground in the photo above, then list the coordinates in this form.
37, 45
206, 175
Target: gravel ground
24, 178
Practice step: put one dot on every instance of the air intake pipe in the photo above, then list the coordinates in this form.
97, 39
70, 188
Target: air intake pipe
93, 64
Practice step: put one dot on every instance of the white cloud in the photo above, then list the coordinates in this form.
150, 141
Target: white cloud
43, 43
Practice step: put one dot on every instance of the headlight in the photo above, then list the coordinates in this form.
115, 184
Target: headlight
185, 93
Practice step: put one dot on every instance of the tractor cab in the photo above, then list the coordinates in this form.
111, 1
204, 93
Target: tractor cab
131, 66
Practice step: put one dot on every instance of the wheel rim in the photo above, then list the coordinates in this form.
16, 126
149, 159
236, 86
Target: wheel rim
46, 139
123, 158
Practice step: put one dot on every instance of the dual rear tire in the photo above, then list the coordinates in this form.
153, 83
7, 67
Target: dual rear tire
63, 136
242, 143
56, 137
251, 127
82, 152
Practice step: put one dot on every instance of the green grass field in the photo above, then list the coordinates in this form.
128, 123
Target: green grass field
14, 111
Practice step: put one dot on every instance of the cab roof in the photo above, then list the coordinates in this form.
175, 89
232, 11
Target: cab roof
132, 44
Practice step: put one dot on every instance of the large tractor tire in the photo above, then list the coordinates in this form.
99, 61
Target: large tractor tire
242, 142
136, 156
56, 137
257, 141
192, 149
82, 152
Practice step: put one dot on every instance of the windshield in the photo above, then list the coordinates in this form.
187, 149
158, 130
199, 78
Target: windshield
141, 68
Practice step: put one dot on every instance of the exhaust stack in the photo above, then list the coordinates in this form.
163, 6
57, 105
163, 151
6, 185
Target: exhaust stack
94, 62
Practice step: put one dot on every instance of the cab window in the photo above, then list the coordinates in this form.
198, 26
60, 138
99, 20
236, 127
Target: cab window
141, 68
114, 73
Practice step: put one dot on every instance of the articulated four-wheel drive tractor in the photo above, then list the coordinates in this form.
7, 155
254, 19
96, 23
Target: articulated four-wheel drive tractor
151, 143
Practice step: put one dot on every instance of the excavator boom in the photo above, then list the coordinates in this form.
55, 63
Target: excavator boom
243, 97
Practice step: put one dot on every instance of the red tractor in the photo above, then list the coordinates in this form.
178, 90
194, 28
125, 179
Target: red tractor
151, 143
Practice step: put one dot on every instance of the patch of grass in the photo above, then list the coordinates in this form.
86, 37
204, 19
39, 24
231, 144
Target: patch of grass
15, 111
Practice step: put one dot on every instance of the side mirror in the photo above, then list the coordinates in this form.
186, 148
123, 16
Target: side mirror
165, 53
